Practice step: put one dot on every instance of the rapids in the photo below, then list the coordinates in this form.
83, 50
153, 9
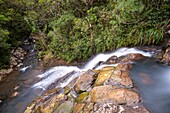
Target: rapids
153, 83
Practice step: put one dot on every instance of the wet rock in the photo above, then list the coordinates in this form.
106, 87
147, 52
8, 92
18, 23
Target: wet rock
14, 94
72, 96
104, 75
105, 108
124, 66
84, 82
114, 94
113, 60
89, 108
47, 103
82, 97
121, 78
132, 57
158, 54
65, 107
28, 82
79, 107
166, 56
16, 87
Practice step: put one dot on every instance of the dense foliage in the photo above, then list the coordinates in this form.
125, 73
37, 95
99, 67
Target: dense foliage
86, 28
77, 29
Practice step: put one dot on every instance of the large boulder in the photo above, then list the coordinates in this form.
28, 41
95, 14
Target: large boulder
109, 93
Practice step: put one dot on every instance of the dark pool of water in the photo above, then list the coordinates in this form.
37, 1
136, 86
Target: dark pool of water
153, 82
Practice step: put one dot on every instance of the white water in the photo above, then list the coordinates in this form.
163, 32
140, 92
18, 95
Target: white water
56, 73
59, 76
120, 52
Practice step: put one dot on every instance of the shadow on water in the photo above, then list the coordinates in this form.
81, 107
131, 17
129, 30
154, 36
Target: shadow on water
153, 82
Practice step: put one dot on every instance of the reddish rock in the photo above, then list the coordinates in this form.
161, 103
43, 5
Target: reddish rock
79, 107
121, 78
124, 66
132, 57
84, 82
125, 79
114, 94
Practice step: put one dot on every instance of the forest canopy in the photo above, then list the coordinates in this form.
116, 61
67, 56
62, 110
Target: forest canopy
77, 29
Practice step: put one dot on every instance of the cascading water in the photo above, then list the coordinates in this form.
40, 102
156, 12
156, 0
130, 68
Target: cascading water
60, 76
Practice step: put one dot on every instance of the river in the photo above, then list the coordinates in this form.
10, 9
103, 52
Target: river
151, 78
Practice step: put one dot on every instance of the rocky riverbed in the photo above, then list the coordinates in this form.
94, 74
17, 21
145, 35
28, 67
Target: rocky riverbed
109, 89
106, 88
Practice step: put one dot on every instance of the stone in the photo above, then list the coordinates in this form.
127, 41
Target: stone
84, 81
16, 87
104, 75
109, 93
158, 54
89, 108
47, 103
107, 107
121, 78
28, 82
166, 56
132, 57
124, 66
134, 109
65, 107
113, 60
14, 94
79, 107
82, 97
13, 61
5, 72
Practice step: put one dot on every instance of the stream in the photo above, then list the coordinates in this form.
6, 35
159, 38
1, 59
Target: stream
150, 77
